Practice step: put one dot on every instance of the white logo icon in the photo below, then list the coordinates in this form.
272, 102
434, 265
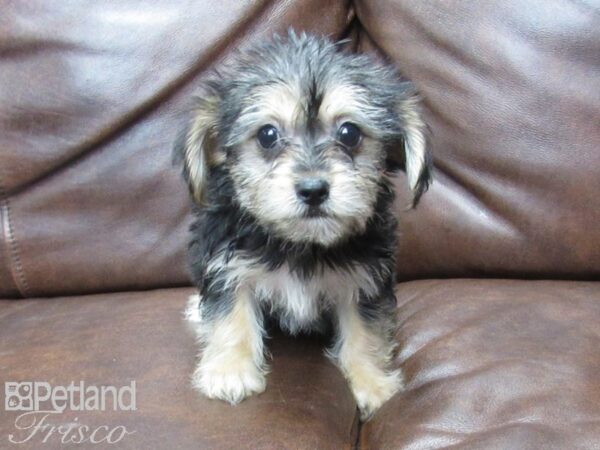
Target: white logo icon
18, 396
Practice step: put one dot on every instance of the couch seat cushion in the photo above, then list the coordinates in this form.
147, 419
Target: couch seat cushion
493, 364
113, 339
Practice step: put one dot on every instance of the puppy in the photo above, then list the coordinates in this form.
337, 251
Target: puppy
288, 156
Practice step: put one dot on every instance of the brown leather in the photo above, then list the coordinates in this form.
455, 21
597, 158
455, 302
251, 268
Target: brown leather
495, 365
89, 108
488, 364
91, 99
512, 95
113, 339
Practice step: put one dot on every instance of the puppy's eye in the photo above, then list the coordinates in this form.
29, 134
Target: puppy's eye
267, 136
349, 135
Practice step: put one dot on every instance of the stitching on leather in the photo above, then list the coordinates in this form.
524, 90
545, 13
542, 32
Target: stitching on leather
16, 267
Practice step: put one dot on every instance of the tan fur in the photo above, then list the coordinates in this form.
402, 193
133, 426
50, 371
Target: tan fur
338, 105
415, 145
276, 105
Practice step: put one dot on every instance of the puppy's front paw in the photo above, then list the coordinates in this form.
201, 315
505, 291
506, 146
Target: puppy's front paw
232, 383
373, 391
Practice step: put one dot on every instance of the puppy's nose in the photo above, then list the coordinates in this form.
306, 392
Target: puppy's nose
312, 191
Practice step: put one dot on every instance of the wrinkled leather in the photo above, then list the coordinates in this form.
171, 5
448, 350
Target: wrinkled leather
91, 98
8, 287
112, 339
512, 96
490, 364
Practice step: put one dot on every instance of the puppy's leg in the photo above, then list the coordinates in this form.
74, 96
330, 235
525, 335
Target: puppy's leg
232, 365
364, 351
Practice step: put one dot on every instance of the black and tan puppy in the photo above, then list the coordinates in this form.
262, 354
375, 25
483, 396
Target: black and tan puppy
288, 156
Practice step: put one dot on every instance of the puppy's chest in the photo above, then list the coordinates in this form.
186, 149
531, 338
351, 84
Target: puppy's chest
299, 300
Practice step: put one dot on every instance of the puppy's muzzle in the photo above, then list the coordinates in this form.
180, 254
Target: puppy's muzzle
312, 191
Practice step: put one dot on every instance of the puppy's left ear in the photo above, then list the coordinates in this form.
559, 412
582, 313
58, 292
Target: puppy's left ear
416, 158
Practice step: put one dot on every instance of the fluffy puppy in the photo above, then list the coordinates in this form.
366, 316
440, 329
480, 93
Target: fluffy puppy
288, 155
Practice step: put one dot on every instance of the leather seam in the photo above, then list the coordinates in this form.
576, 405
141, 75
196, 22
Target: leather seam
14, 255
356, 444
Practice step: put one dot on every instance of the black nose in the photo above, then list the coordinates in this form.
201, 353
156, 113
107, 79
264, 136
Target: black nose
312, 191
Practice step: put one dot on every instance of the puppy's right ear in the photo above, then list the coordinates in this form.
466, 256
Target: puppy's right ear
196, 146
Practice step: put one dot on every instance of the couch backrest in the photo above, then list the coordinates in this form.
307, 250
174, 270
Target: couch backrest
91, 98
512, 90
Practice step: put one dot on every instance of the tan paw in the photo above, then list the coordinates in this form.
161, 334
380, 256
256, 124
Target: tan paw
372, 392
232, 383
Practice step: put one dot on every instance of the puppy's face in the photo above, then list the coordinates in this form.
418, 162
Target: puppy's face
307, 134
305, 163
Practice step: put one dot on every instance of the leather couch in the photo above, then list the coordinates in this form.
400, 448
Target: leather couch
498, 294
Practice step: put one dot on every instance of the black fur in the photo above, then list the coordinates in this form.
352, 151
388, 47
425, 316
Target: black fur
223, 227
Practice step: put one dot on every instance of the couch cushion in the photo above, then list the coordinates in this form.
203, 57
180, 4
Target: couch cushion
512, 95
114, 339
495, 365
92, 96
